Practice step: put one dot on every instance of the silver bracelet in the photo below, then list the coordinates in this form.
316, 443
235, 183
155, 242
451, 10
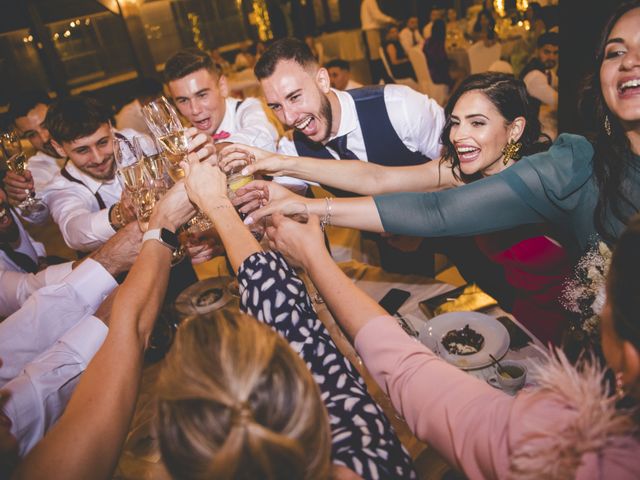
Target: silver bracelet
326, 219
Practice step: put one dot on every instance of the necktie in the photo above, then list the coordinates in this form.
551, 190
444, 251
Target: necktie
339, 145
413, 37
25, 262
549, 79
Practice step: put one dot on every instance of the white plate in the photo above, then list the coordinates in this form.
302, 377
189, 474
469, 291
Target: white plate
186, 302
496, 337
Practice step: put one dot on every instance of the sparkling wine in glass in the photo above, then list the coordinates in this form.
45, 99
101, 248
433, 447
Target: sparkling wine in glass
163, 121
16, 161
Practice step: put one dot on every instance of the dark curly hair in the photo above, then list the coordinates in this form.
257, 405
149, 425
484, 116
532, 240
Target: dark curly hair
510, 98
613, 156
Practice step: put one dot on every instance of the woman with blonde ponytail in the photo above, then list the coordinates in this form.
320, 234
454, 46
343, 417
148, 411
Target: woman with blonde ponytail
235, 398
260, 409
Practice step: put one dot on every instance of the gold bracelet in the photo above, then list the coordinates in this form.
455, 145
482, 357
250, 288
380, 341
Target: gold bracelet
117, 213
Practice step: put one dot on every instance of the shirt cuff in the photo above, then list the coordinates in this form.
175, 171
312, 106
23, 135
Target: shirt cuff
56, 273
86, 337
91, 282
100, 225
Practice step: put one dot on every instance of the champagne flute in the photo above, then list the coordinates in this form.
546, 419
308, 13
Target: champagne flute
164, 123
16, 161
150, 154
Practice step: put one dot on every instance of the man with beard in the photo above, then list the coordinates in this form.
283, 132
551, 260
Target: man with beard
388, 125
28, 111
84, 198
539, 75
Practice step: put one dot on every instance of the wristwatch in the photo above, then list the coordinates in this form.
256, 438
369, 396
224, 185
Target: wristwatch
164, 236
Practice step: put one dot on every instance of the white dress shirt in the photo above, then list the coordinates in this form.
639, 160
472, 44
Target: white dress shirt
417, 120
371, 17
41, 392
15, 284
426, 31
49, 313
248, 124
407, 37
538, 87
130, 117
84, 226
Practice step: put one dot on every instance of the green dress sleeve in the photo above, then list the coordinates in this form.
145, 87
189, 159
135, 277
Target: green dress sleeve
547, 187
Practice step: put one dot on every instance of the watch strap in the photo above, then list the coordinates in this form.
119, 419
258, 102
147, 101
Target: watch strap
164, 236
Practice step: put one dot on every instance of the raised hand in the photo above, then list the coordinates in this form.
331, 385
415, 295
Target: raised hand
204, 182
173, 209
234, 156
298, 242
18, 186
261, 198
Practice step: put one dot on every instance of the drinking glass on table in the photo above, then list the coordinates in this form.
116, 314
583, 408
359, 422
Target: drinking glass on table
16, 161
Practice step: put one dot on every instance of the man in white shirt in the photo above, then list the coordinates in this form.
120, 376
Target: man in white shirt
130, 115
539, 75
84, 198
340, 75
200, 92
392, 125
410, 35
48, 343
28, 112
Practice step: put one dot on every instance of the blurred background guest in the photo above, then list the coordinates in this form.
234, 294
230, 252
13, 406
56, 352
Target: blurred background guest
410, 35
340, 75
398, 61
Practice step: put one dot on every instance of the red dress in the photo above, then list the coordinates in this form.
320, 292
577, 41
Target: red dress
537, 268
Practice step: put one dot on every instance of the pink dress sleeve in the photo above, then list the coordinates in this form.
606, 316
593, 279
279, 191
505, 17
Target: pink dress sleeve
463, 418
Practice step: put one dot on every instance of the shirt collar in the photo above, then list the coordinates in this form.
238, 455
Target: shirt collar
348, 114
90, 182
228, 121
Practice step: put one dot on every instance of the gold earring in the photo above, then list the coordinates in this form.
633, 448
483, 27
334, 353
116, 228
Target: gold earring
620, 393
510, 152
607, 125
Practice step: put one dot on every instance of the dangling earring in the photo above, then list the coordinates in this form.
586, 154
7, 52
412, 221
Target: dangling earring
607, 125
620, 393
510, 152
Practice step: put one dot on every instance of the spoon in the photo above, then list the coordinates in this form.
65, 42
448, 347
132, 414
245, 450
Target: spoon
497, 363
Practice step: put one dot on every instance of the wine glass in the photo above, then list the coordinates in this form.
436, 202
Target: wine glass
16, 161
150, 154
164, 123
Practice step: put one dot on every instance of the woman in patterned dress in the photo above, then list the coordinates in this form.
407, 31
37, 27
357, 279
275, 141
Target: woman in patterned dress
221, 420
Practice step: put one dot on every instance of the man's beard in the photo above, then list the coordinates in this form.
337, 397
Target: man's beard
327, 115
109, 175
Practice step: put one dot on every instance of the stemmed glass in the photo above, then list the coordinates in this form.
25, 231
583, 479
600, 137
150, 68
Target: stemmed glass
164, 122
150, 154
17, 163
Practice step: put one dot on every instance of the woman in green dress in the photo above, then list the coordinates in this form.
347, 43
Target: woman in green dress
585, 189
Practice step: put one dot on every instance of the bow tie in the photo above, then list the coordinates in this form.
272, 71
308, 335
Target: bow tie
221, 135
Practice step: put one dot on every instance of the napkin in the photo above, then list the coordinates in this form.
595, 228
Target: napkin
471, 299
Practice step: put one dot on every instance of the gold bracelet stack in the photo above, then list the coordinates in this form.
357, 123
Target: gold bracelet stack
116, 209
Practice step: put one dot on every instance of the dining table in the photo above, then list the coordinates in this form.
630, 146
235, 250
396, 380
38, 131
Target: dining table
141, 458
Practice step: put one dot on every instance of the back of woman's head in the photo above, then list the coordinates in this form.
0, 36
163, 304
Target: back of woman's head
509, 96
234, 401
613, 154
623, 289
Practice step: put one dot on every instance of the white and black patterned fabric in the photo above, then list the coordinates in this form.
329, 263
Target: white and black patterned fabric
362, 437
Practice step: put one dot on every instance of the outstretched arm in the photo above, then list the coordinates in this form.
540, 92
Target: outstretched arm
106, 395
355, 176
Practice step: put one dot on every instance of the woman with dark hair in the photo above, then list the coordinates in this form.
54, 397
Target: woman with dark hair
584, 190
434, 51
398, 61
487, 118
484, 27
